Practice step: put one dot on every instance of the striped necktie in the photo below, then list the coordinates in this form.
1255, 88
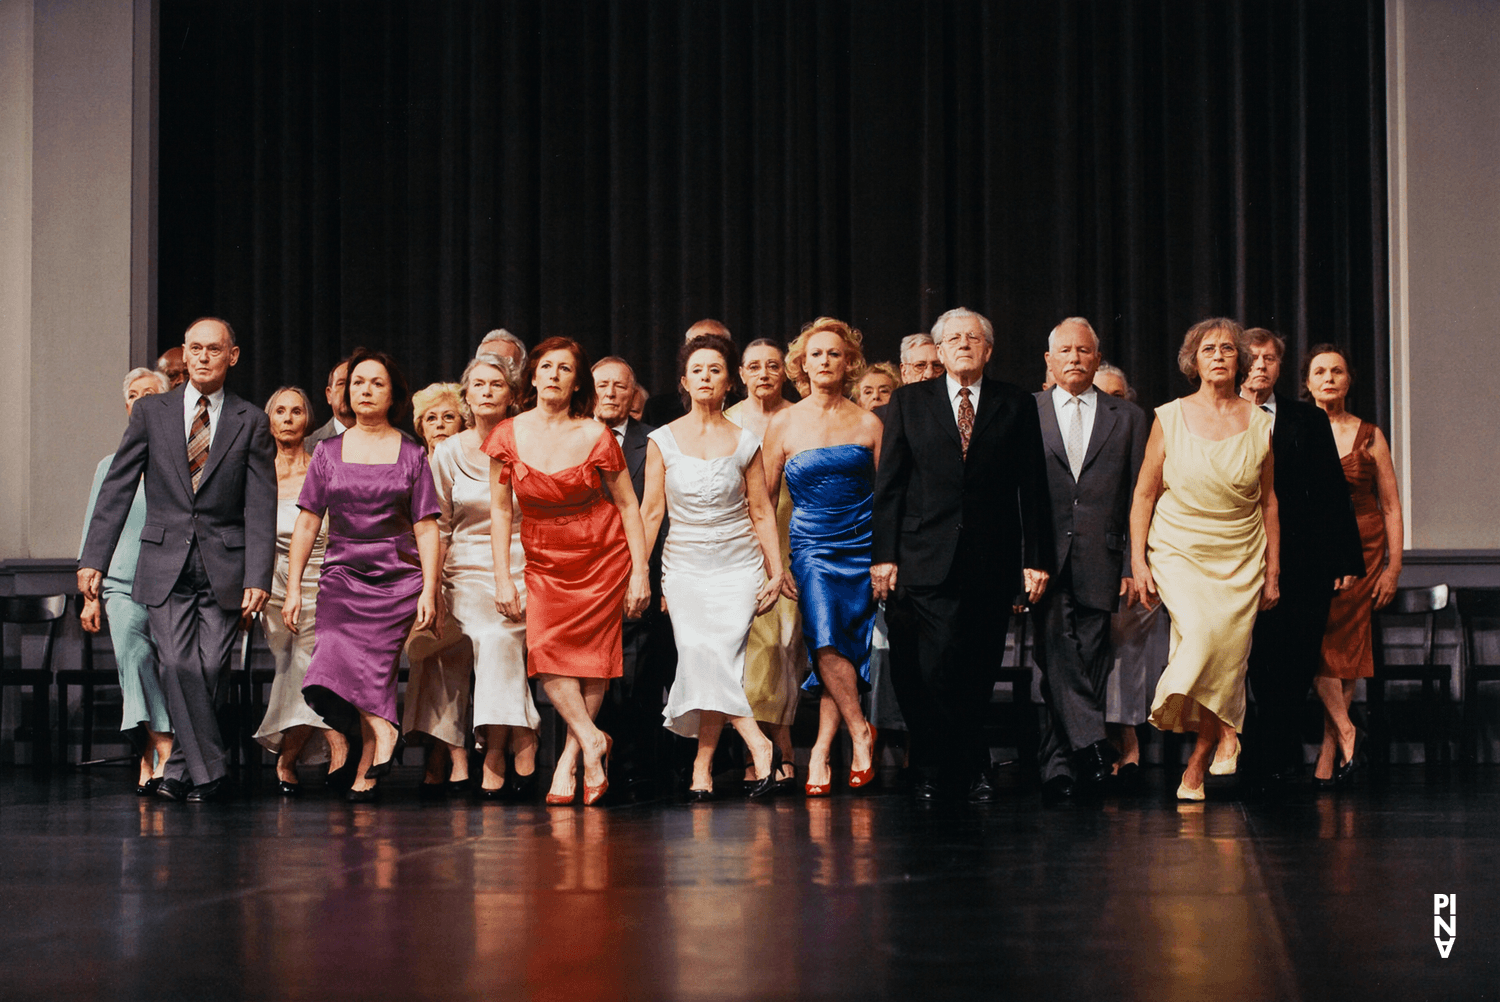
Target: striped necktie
198, 443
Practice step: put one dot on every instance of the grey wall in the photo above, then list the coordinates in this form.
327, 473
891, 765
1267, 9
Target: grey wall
1443, 61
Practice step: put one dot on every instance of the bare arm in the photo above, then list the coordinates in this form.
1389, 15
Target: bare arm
773, 458
638, 594
1148, 488
654, 504
763, 519
429, 550
507, 600
304, 534
1395, 528
1270, 514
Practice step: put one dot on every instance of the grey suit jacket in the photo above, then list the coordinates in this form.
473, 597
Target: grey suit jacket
1091, 515
232, 517
328, 430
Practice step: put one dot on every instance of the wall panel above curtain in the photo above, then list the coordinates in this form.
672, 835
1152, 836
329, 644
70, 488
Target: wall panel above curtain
408, 175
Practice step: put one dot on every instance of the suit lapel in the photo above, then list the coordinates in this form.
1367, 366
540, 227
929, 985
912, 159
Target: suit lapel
989, 406
1051, 433
635, 447
942, 410
1105, 415
231, 424
172, 408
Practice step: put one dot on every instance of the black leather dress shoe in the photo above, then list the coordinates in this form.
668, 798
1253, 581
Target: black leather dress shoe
1057, 789
288, 789
925, 788
174, 789
214, 789
982, 791
1092, 764
701, 796
149, 787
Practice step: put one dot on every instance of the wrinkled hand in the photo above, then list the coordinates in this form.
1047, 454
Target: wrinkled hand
1385, 588
637, 595
789, 588
769, 593
1036, 583
426, 611
882, 580
89, 581
1270, 593
1145, 587
1339, 584
508, 601
89, 618
291, 609
1129, 592
253, 602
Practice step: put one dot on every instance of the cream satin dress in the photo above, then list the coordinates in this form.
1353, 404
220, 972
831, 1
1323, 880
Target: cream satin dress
1207, 553
286, 708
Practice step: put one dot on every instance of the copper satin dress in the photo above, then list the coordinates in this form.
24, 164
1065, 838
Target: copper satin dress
577, 561
1346, 642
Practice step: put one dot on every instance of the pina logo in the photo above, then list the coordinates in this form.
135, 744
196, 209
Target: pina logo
1444, 926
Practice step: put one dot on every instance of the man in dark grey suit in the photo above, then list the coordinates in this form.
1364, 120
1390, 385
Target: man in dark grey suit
343, 417
208, 546
1094, 444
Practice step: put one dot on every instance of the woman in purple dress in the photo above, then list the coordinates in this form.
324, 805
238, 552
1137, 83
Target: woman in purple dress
380, 572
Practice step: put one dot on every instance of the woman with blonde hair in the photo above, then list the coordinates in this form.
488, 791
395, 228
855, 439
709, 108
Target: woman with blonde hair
437, 413
826, 445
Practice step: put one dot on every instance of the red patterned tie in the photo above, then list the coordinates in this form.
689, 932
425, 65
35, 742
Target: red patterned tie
965, 419
198, 443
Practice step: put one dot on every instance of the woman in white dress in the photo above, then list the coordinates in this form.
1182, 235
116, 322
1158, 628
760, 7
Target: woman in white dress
290, 728
721, 563
505, 716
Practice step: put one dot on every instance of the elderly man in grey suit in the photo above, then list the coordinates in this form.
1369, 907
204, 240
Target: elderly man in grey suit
208, 546
1094, 444
343, 417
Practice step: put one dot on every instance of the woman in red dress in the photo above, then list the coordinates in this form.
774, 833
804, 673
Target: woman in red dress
585, 550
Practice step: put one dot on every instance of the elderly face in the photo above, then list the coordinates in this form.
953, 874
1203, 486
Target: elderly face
289, 418
173, 366
614, 391
826, 361
707, 378
335, 394
874, 390
964, 351
141, 386
506, 349
488, 394
1073, 358
1265, 368
1328, 378
638, 403
556, 375
762, 370
922, 363
1112, 383
1218, 358
441, 420
209, 355
370, 390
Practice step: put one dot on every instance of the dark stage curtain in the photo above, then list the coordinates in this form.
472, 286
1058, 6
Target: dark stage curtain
407, 175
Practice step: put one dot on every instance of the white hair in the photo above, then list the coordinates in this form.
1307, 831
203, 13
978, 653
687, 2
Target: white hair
141, 372
911, 343
940, 325
1072, 322
1106, 369
499, 334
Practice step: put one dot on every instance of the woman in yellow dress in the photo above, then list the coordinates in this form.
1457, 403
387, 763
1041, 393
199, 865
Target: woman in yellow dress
1205, 541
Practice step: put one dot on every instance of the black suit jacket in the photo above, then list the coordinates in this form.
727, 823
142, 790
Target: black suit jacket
635, 455
1319, 534
1091, 516
933, 505
232, 517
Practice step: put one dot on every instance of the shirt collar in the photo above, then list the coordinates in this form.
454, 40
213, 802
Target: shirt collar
1087, 398
619, 429
1271, 403
191, 394
954, 386
339, 427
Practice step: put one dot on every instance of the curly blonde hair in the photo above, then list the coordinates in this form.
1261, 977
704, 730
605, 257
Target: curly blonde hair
854, 357
429, 397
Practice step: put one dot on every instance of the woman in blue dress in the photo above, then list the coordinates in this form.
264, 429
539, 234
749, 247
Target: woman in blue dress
826, 446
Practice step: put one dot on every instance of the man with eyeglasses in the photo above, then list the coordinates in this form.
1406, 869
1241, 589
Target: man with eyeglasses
919, 358
962, 525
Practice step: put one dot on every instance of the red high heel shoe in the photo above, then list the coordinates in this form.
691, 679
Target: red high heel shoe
817, 789
593, 794
863, 776
563, 799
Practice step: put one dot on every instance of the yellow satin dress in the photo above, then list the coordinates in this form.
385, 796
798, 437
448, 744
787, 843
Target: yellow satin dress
1207, 553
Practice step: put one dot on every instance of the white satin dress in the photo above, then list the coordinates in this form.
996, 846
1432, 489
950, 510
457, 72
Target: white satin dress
286, 707
712, 569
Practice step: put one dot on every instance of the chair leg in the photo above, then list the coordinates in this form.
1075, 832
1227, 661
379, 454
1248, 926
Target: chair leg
88, 722
62, 723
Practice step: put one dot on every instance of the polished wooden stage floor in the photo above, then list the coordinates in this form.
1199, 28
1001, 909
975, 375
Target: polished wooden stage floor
106, 896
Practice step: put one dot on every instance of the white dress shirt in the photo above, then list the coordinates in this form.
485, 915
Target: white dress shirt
190, 397
1088, 400
954, 386
619, 430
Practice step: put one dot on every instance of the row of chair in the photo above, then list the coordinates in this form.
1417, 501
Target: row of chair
1414, 612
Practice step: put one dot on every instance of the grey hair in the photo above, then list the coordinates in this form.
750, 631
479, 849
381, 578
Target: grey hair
1076, 322
911, 343
307, 407
940, 325
616, 360
1108, 369
507, 368
500, 334
162, 385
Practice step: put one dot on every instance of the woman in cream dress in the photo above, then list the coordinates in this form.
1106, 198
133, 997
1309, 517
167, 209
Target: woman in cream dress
775, 660
1206, 543
290, 728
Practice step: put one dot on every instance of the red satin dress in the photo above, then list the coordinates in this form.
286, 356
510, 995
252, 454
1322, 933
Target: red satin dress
1346, 641
577, 561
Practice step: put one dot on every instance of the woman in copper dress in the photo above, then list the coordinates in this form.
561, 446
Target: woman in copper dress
1347, 652
585, 550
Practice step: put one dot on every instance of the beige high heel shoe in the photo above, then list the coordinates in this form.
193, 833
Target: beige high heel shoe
1227, 766
1185, 792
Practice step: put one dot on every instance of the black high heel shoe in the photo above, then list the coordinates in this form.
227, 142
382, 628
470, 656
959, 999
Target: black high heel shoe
342, 778
363, 796
522, 788
1345, 772
767, 785
380, 769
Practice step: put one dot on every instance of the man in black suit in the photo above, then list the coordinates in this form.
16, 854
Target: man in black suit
632, 710
961, 525
208, 546
1094, 446
1320, 552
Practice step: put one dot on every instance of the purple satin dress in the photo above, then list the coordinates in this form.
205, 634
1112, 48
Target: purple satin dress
372, 575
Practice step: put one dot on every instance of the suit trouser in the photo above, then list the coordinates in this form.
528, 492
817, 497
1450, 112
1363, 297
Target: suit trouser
1074, 651
944, 644
1285, 652
194, 636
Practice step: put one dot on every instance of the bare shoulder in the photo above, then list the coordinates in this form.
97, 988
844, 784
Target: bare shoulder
870, 426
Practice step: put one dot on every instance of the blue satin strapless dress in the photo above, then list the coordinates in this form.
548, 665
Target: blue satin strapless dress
833, 502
